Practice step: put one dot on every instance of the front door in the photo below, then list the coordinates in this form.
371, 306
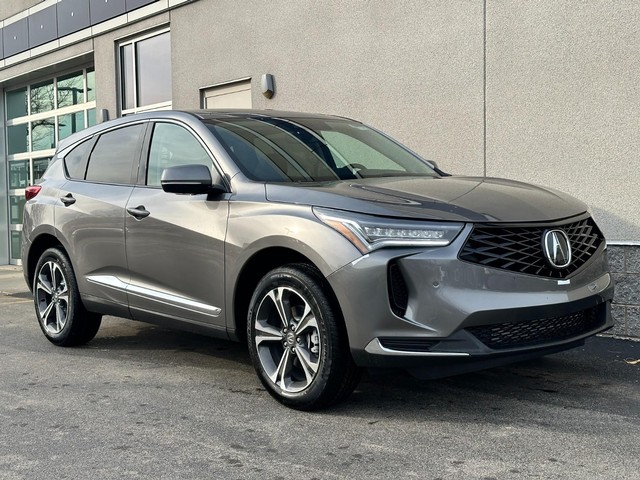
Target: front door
175, 243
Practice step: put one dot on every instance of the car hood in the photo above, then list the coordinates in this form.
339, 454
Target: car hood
476, 199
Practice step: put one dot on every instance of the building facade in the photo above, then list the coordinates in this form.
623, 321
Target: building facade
544, 92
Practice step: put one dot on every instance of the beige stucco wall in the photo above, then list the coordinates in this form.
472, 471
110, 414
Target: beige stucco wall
9, 8
411, 68
563, 102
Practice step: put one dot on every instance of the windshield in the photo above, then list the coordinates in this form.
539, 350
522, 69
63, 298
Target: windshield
312, 150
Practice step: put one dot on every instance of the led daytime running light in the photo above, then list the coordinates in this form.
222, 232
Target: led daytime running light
368, 233
375, 233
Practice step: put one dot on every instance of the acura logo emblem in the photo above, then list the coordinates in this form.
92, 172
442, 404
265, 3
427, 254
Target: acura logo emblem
557, 248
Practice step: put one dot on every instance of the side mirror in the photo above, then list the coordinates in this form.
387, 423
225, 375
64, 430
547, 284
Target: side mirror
191, 180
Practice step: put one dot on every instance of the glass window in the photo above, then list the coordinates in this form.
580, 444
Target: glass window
16, 206
68, 102
114, 155
153, 70
347, 147
17, 139
70, 123
16, 103
43, 134
18, 174
313, 150
173, 145
39, 167
70, 89
145, 72
76, 160
42, 98
126, 71
91, 85
16, 246
91, 117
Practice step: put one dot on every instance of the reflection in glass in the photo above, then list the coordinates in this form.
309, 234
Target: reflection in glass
16, 206
42, 97
112, 157
91, 117
70, 123
173, 145
153, 70
18, 174
70, 89
17, 138
91, 85
15, 245
39, 167
16, 103
43, 134
126, 73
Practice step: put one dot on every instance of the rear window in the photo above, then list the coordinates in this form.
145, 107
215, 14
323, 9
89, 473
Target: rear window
115, 154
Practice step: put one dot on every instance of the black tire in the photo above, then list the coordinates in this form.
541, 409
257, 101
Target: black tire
61, 315
320, 369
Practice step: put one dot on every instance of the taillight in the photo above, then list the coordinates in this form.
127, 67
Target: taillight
32, 191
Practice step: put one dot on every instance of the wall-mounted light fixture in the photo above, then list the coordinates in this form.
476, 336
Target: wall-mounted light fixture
266, 83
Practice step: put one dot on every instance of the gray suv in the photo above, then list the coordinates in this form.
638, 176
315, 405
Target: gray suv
321, 242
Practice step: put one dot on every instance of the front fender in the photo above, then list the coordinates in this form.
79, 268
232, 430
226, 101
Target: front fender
255, 227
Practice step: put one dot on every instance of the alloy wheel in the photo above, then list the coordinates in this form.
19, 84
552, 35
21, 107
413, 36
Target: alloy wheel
287, 339
52, 295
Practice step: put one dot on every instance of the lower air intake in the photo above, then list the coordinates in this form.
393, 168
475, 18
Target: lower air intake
535, 332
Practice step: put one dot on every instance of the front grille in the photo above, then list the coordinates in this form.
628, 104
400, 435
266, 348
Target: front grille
535, 332
519, 249
408, 344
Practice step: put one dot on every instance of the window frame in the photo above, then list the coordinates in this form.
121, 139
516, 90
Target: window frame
194, 136
136, 161
146, 150
136, 108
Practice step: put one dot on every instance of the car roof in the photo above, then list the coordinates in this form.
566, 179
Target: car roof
221, 113
187, 116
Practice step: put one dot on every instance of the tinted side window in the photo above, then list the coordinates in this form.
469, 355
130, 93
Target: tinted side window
173, 145
114, 155
76, 160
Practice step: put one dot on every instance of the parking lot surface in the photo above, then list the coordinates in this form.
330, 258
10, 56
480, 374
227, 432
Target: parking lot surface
145, 402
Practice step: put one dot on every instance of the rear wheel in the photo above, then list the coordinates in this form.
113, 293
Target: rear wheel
297, 341
61, 314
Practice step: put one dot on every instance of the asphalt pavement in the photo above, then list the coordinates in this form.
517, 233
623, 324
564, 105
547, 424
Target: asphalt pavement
145, 402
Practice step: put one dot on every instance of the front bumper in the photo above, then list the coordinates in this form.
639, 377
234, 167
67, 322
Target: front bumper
455, 307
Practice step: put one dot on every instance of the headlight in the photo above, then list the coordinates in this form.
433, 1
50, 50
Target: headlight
368, 233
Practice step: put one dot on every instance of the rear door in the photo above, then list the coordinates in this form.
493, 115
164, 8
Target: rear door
175, 243
91, 212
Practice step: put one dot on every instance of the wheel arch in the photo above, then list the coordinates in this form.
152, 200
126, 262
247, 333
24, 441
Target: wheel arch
252, 271
39, 244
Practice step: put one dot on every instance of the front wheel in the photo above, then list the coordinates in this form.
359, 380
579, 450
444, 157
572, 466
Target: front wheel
297, 340
61, 314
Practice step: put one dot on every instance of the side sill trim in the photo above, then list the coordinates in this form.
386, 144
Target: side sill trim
375, 348
161, 297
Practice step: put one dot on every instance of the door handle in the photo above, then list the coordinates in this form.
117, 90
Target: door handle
138, 212
68, 200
